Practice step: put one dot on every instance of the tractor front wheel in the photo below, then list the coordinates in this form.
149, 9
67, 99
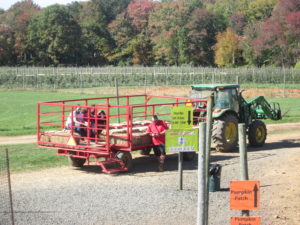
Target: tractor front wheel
126, 158
257, 133
225, 132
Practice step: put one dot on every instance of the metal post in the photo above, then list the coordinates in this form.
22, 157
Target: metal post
237, 80
284, 82
201, 176
207, 150
9, 187
243, 158
180, 170
145, 84
117, 94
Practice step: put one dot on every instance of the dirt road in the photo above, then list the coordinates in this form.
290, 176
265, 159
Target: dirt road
26, 139
87, 196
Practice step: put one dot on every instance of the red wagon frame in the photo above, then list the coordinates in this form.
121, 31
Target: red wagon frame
125, 109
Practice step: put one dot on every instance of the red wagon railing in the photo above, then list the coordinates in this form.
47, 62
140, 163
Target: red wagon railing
120, 129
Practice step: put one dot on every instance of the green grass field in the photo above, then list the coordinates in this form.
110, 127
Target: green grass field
18, 109
29, 157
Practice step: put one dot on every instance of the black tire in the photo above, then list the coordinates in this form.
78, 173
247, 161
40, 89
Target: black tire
188, 156
225, 132
257, 133
146, 151
126, 158
76, 162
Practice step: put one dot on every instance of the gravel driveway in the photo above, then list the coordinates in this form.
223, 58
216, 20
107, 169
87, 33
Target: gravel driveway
87, 196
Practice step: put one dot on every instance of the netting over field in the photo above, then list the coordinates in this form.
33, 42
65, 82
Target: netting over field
88, 77
6, 211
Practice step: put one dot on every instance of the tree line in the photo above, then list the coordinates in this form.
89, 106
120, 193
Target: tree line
224, 33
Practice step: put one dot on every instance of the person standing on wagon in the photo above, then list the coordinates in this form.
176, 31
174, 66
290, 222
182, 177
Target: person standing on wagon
157, 130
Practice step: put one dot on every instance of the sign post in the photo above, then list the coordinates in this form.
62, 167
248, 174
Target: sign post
244, 195
201, 176
181, 138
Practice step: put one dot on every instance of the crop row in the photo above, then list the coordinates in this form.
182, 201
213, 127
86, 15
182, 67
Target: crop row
84, 77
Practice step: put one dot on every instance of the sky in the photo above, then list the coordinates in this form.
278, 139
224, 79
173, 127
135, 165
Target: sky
6, 4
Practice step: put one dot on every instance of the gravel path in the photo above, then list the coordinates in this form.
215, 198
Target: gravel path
87, 196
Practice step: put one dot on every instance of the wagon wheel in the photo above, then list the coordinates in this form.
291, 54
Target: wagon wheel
126, 158
76, 162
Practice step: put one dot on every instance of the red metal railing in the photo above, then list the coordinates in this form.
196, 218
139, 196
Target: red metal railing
52, 116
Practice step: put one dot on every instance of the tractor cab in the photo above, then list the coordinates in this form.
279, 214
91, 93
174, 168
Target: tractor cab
225, 96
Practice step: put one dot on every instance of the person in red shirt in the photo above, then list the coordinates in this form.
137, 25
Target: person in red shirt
157, 130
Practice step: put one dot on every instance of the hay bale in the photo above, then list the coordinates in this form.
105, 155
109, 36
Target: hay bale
60, 137
137, 140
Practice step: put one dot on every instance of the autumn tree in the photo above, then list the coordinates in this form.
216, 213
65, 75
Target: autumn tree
260, 10
55, 37
168, 33
201, 33
130, 31
7, 42
19, 16
227, 50
279, 37
251, 32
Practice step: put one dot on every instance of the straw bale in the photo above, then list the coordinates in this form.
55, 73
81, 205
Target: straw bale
61, 137
137, 139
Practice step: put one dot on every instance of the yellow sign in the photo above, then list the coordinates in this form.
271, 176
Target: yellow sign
244, 195
71, 141
182, 118
182, 140
245, 221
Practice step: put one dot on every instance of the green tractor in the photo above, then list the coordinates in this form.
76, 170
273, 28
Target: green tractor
229, 109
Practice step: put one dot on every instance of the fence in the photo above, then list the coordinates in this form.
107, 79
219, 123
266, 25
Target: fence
88, 77
6, 207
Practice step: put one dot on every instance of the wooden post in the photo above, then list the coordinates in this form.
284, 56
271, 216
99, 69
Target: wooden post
243, 158
207, 149
180, 170
9, 187
201, 176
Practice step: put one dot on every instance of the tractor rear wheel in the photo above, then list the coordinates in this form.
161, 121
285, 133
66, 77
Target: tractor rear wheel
225, 132
76, 162
257, 133
126, 158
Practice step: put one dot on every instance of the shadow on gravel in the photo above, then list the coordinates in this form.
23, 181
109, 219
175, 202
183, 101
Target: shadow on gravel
289, 143
145, 164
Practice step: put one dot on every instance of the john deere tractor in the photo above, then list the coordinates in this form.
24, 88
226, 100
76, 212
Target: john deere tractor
229, 109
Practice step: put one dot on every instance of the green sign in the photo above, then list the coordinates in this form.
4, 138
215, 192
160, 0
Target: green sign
182, 140
182, 117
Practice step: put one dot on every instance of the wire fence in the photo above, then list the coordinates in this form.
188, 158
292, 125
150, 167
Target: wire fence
6, 205
88, 77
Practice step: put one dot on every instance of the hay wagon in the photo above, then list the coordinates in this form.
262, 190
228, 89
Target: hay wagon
108, 139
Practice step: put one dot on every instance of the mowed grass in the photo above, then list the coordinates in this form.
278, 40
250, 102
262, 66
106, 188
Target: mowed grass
18, 109
29, 157
290, 110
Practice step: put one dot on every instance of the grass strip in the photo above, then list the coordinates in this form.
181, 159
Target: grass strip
29, 157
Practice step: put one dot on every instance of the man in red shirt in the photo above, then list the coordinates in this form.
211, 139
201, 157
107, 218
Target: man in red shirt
157, 130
